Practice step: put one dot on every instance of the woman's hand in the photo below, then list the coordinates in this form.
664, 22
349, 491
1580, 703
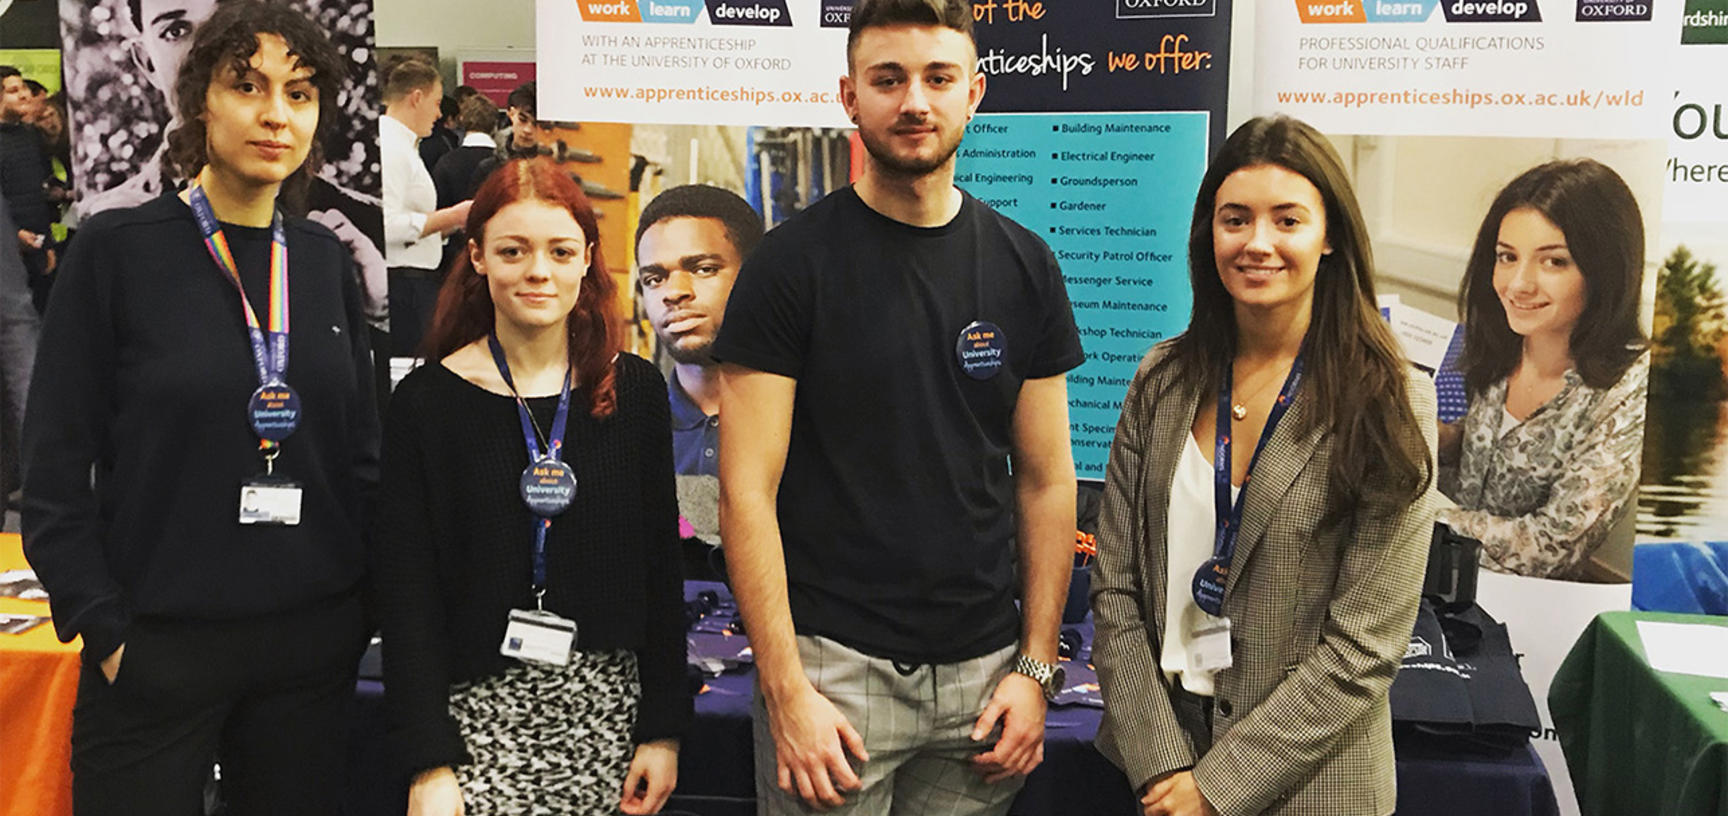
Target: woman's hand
435, 793
653, 774
1175, 795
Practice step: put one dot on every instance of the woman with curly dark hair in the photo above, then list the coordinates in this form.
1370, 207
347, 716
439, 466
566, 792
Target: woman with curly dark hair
194, 502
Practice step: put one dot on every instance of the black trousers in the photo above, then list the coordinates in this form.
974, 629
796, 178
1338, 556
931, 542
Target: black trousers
271, 696
413, 299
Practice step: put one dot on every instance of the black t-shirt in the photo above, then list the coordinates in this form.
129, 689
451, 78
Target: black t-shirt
896, 503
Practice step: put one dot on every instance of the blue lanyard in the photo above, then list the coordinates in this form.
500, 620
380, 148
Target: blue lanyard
530, 434
272, 358
1209, 594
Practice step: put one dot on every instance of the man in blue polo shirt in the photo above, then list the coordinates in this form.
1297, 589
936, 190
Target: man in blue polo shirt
690, 242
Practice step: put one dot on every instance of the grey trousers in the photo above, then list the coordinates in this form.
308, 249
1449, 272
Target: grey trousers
917, 725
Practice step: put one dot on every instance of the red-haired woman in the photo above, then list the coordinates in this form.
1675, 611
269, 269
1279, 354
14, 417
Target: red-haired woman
527, 560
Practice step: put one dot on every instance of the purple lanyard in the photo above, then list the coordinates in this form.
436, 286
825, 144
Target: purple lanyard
530, 434
1210, 579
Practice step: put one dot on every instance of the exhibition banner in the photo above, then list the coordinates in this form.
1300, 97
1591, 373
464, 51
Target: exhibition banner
1684, 490
1094, 132
1529, 68
727, 62
120, 62
1509, 157
495, 78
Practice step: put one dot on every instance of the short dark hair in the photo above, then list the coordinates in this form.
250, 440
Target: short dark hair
137, 9
524, 98
406, 75
478, 115
9, 71
230, 39
448, 108
36, 88
743, 226
866, 14
462, 93
1604, 232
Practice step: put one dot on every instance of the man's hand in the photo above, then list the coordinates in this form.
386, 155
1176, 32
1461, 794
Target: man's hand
811, 739
1018, 705
652, 776
30, 239
1175, 795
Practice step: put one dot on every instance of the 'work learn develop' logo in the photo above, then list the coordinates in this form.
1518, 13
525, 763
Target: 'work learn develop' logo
1417, 11
720, 12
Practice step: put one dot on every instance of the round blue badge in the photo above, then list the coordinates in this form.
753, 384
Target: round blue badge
274, 412
1209, 586
548, 487
980, 349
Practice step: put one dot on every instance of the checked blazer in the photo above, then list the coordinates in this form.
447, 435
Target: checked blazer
1320, 617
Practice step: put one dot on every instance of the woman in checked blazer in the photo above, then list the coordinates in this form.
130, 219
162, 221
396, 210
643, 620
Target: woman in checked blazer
1284, 711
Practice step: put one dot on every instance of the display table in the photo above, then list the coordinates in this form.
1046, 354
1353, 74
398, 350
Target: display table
715, 769
1638, 740
38, 685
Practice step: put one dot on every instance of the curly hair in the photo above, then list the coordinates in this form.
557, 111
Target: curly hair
229, 39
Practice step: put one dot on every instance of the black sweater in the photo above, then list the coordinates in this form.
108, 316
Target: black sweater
455, 546
24, 170
144, 372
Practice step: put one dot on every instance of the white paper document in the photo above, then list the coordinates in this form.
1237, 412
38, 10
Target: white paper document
1686, 648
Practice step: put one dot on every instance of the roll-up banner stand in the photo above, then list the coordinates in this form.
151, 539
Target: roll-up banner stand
1435, 107
1684, 495
1094, 131
120, 70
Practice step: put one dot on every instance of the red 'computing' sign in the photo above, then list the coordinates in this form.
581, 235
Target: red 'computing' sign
496, 79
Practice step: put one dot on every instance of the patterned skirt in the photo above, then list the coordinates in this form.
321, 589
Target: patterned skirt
549, 740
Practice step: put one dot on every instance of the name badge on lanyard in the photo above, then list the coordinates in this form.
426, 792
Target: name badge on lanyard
547, 488
273, 410
1212, 577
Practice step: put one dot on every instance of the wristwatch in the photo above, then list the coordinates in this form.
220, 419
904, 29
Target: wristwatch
1048, 675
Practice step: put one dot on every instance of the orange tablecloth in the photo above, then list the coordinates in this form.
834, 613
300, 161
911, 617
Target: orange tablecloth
38, 684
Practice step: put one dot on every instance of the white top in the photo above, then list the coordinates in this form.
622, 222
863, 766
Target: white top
1190, 526
409, 198
1507, 421
477, 139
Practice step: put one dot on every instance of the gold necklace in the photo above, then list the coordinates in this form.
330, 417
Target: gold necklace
1239, 410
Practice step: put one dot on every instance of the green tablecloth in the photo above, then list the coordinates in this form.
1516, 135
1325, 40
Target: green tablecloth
1639, 741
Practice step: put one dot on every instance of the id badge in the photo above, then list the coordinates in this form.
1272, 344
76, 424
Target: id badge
270, 501
1210, 647
540, 637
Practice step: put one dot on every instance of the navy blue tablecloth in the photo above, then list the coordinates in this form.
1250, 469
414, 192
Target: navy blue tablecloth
716, 765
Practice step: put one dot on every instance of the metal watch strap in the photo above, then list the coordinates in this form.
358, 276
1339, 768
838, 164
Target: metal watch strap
1035, 669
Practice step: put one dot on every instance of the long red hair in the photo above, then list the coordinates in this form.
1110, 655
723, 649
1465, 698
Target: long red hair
465, 311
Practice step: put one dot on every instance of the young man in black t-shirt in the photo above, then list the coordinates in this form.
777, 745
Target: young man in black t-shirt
899, 351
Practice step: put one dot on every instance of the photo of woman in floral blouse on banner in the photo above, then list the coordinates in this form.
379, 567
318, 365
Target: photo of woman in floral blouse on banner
1544, 464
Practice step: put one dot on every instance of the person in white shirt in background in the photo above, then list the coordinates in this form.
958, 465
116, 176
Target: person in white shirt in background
414, 228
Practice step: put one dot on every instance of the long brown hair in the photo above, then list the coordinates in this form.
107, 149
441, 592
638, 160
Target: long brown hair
1604, 232
1353, 363
465, 311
